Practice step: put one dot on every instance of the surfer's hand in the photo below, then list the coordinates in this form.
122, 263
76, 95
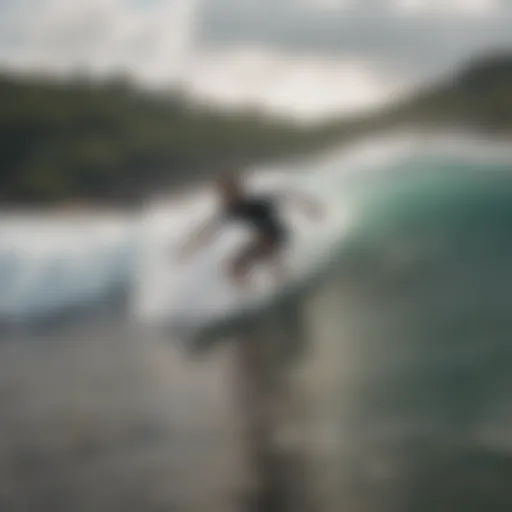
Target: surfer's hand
196, 242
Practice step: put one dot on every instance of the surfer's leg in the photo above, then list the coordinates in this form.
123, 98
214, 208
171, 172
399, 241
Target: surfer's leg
242, 264
264, 249
274, 254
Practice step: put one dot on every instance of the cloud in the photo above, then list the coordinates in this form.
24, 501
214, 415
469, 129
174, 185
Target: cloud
447, 8
149, 39
307, 86
158, 43
307, 57
440, 34
326, 5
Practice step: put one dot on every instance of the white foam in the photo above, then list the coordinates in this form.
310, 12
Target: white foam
49, 263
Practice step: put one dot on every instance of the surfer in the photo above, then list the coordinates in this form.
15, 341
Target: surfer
259, 212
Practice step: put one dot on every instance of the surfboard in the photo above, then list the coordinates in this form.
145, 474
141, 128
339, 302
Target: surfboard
197, 296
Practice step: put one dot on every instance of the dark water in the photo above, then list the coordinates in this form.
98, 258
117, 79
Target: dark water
103, 417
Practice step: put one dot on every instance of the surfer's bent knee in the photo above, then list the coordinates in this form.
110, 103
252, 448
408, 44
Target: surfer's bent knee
265, 247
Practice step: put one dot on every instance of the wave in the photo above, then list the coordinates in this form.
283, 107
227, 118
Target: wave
53, 265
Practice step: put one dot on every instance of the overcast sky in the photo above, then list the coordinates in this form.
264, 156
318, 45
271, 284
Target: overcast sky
307, 58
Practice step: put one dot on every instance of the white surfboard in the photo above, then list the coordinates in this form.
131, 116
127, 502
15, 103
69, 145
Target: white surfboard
189, 297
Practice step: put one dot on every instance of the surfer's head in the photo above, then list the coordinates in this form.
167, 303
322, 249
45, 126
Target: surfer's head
230, 186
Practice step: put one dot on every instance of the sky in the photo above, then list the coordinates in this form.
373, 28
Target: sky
309, 59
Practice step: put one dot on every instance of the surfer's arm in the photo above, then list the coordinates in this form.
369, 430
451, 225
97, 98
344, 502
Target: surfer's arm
309, 206
200, 238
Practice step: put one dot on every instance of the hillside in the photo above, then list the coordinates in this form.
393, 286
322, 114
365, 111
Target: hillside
478, 96
109, 141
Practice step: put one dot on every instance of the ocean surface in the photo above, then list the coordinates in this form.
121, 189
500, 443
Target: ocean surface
408, 327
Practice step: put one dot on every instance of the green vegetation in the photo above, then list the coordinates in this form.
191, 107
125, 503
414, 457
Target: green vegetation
109, 141
479, 97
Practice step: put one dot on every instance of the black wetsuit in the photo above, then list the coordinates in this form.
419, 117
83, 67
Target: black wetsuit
261, 214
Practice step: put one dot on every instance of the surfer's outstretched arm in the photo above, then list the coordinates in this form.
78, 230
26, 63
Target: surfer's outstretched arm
308, 205
200, 238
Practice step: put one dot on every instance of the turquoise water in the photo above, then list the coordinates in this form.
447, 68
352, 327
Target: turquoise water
424, 314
